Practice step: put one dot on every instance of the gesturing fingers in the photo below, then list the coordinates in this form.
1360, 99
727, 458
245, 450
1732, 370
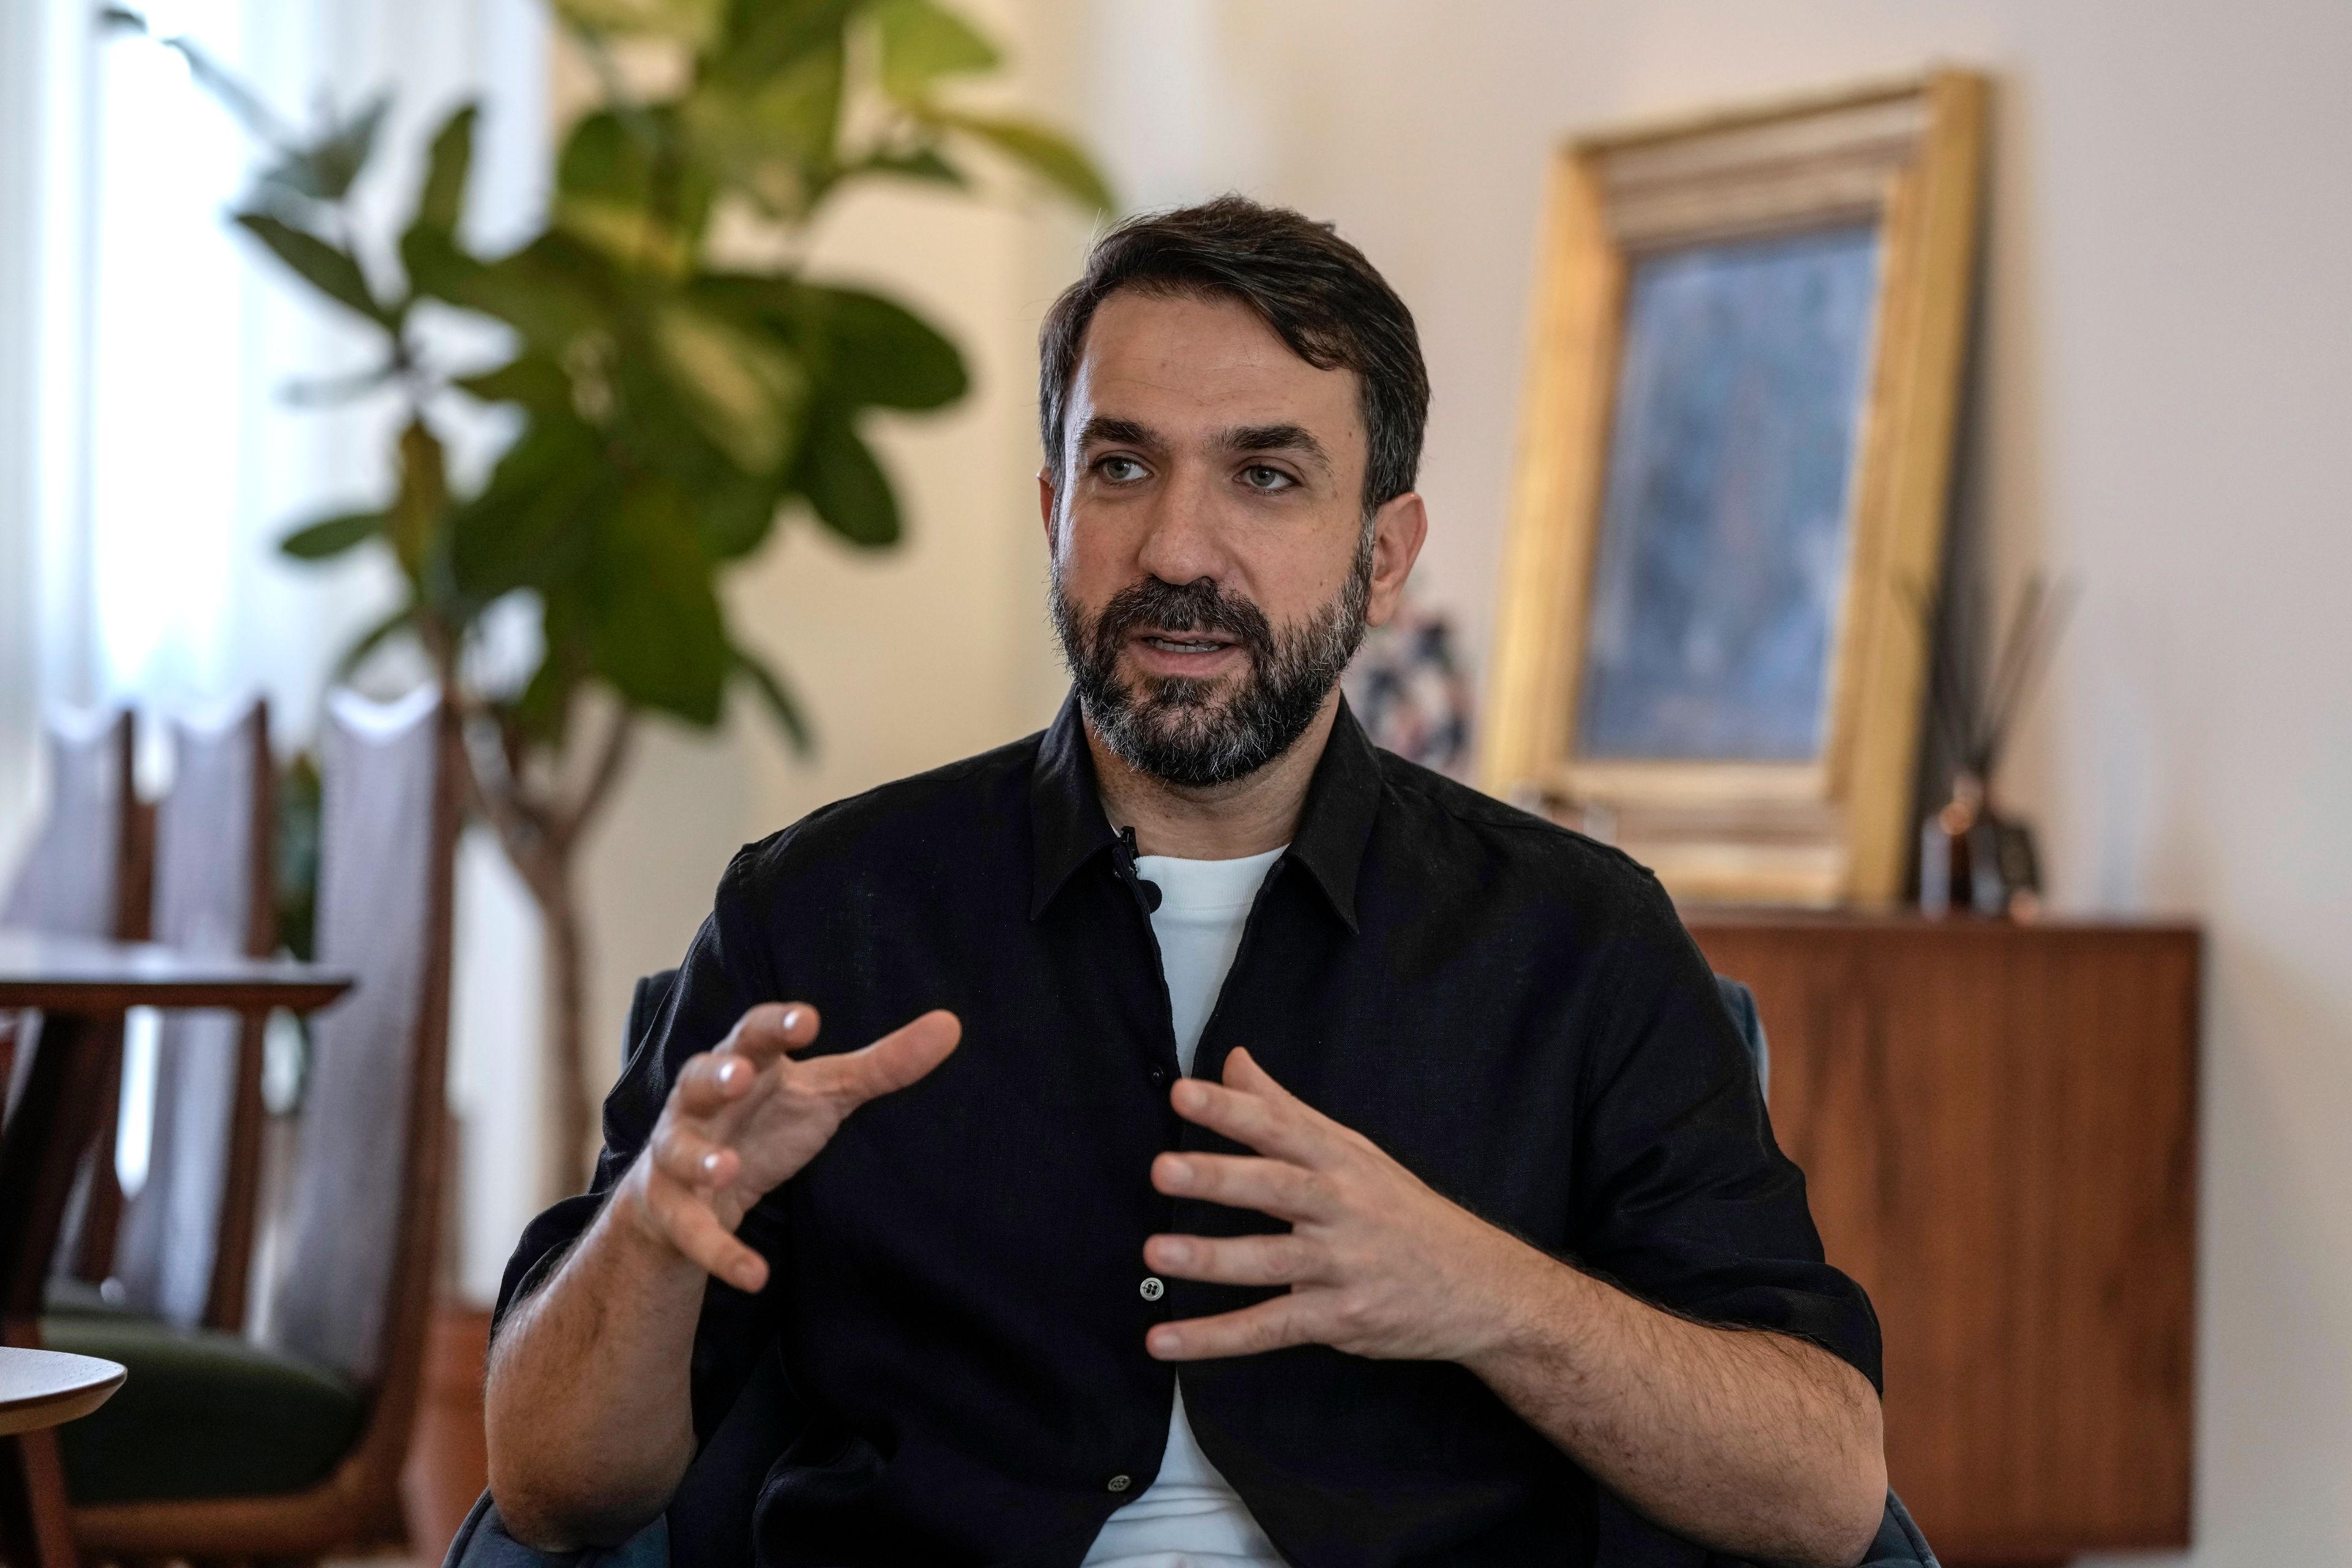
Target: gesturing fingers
686, 1156
1250, 1108
1239, 1181
769, 1030
892, 1062
692, 1229
712, 1080
1268, 1326
1286, 1259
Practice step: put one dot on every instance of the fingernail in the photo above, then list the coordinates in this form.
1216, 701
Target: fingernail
710, 1164
791, 1018
1177, 1173
728, 1072
1175, 1250
1165, 1341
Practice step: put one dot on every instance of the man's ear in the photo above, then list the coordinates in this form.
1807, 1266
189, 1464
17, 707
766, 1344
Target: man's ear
1397, 528
1046, 505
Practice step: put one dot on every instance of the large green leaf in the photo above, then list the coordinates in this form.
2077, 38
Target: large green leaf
325, 170
329, 269
923, 164
534, 522
878, 352
743, 387
625, 184
1045, 153
862, 351
653, 624
441, 199
844, 484
332, 535
922, 42
437, 265
778, 698
554, 291
738, 510
690, 22
771, 140
763, 38
530, 379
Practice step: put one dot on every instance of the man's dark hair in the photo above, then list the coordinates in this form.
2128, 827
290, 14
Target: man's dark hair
1315, 289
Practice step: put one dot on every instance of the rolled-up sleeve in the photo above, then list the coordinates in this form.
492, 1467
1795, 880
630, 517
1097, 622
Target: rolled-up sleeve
1686, 1200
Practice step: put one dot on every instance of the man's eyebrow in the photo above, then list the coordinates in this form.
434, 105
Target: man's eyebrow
1106, 429
1278, 438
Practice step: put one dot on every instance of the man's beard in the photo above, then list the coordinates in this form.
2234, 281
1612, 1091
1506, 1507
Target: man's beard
1196, 733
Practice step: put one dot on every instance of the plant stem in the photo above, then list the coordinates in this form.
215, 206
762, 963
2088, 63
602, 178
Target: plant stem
541, 836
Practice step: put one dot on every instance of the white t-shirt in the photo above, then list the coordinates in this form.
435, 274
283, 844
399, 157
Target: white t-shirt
1189, 1517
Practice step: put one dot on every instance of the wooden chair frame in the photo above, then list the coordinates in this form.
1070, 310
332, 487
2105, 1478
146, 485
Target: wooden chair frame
92, 1244
227, 1297
358, 1503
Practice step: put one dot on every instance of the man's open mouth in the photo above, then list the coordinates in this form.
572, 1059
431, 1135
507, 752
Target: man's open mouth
1182, 639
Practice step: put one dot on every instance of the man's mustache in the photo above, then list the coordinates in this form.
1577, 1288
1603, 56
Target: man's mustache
1195, 606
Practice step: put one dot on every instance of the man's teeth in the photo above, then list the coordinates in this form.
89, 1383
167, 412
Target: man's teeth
1170, 644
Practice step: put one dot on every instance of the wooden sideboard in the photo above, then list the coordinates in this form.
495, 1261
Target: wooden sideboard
1998, 1127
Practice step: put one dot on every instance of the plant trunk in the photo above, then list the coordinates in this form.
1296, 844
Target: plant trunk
540, 833
564, 1152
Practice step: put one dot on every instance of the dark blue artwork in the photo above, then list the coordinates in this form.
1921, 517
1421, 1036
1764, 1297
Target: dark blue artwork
1724, 523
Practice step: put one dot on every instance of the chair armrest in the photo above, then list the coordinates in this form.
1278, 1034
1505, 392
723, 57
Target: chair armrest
482, 1541
1899, 1543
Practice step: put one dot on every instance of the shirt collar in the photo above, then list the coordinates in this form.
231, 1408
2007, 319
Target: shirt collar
1066, 814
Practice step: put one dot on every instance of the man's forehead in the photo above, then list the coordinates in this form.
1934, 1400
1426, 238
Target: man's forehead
1187, 364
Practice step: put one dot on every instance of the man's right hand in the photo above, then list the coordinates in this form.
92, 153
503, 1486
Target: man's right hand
588, 1406
745, 1117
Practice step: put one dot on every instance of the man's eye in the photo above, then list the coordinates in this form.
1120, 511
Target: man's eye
1263, 476
1118, 470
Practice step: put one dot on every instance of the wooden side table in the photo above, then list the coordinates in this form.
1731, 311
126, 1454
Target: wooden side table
82, 989
40, 1389
1998, 1127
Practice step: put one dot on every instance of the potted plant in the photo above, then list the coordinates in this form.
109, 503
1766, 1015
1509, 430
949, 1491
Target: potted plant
672, 407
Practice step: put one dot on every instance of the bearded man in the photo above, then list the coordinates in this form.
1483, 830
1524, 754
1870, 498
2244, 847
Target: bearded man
1267, 1151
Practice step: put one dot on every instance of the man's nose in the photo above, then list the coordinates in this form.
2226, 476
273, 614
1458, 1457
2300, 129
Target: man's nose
1182, 542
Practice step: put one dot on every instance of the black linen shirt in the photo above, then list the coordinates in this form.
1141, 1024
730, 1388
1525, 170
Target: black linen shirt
947, 1364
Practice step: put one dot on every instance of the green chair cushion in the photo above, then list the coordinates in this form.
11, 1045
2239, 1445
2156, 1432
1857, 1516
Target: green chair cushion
202, 1414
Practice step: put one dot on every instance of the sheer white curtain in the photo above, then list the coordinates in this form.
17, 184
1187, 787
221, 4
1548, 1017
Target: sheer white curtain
148, 458
159, 460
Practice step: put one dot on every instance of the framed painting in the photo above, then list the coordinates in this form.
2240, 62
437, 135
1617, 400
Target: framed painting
1735, 450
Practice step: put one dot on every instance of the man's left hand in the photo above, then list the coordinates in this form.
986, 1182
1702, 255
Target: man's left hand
1378, 1264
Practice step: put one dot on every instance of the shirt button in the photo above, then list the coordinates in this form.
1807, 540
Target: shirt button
1153, 1287
1118, 1483
1159, 1077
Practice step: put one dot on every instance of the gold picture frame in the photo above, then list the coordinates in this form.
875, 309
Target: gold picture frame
1760, 218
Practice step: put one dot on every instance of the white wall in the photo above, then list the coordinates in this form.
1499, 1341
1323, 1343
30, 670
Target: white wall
2163, 400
